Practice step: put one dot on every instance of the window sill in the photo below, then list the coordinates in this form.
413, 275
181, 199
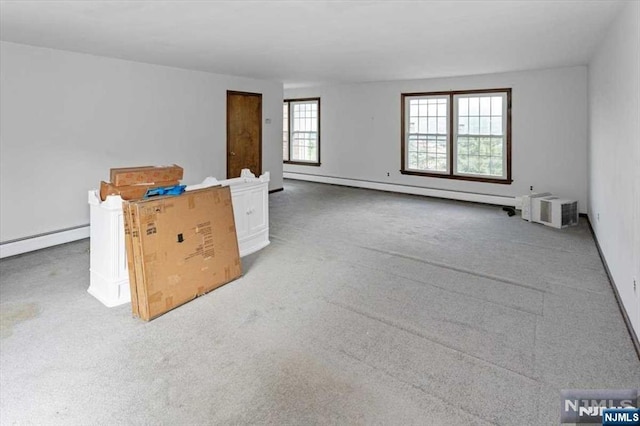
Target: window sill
458, 177
301, 163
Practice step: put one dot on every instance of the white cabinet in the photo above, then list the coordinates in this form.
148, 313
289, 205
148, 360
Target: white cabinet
108, 274
109, 277
250, 198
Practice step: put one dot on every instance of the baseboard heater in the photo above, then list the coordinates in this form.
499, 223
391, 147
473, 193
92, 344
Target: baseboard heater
498, 200
37, 242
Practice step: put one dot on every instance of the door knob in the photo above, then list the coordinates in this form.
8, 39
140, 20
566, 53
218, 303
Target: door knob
233, 153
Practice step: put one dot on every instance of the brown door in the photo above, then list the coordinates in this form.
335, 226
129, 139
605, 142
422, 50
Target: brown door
244, 133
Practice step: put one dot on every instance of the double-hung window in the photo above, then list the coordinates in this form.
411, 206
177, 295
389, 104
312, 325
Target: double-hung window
458, 135
301, 131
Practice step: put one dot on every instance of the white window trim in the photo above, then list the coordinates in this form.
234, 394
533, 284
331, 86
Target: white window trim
290, 103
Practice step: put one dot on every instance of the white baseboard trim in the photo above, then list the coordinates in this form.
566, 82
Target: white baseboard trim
12, 248
406, 189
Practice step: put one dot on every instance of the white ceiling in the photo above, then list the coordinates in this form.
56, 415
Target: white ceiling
314, 42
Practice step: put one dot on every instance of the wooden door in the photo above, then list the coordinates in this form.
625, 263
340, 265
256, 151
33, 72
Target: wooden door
244, 133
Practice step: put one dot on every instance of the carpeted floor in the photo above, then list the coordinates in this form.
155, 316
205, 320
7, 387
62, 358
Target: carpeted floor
367, 307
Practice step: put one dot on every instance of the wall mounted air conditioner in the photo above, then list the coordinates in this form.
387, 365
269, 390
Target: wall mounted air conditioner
554, 211
526, 203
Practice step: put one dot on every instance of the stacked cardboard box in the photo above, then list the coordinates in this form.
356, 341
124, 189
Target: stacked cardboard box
132, 183
179, 248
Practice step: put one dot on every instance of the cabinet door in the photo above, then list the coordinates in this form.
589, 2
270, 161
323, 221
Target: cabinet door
120, 256
240, 213
257, 209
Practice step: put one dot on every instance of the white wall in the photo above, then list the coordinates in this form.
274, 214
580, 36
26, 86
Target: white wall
614, 153
360, 131
67, 118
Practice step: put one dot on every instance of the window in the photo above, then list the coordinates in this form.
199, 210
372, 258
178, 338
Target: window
458, 135
301, 131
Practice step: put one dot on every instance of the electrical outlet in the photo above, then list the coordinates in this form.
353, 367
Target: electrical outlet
531, 188
635, 286
387, 173
598, 217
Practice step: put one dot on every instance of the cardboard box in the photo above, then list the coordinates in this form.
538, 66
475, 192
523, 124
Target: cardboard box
128, 244
182, 247
146, 175
130, 192
134, 257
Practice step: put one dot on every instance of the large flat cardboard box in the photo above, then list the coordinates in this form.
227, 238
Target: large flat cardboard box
145, 175
181, 247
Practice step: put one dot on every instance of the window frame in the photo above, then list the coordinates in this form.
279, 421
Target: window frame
290, 124
452, 137
447, 126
